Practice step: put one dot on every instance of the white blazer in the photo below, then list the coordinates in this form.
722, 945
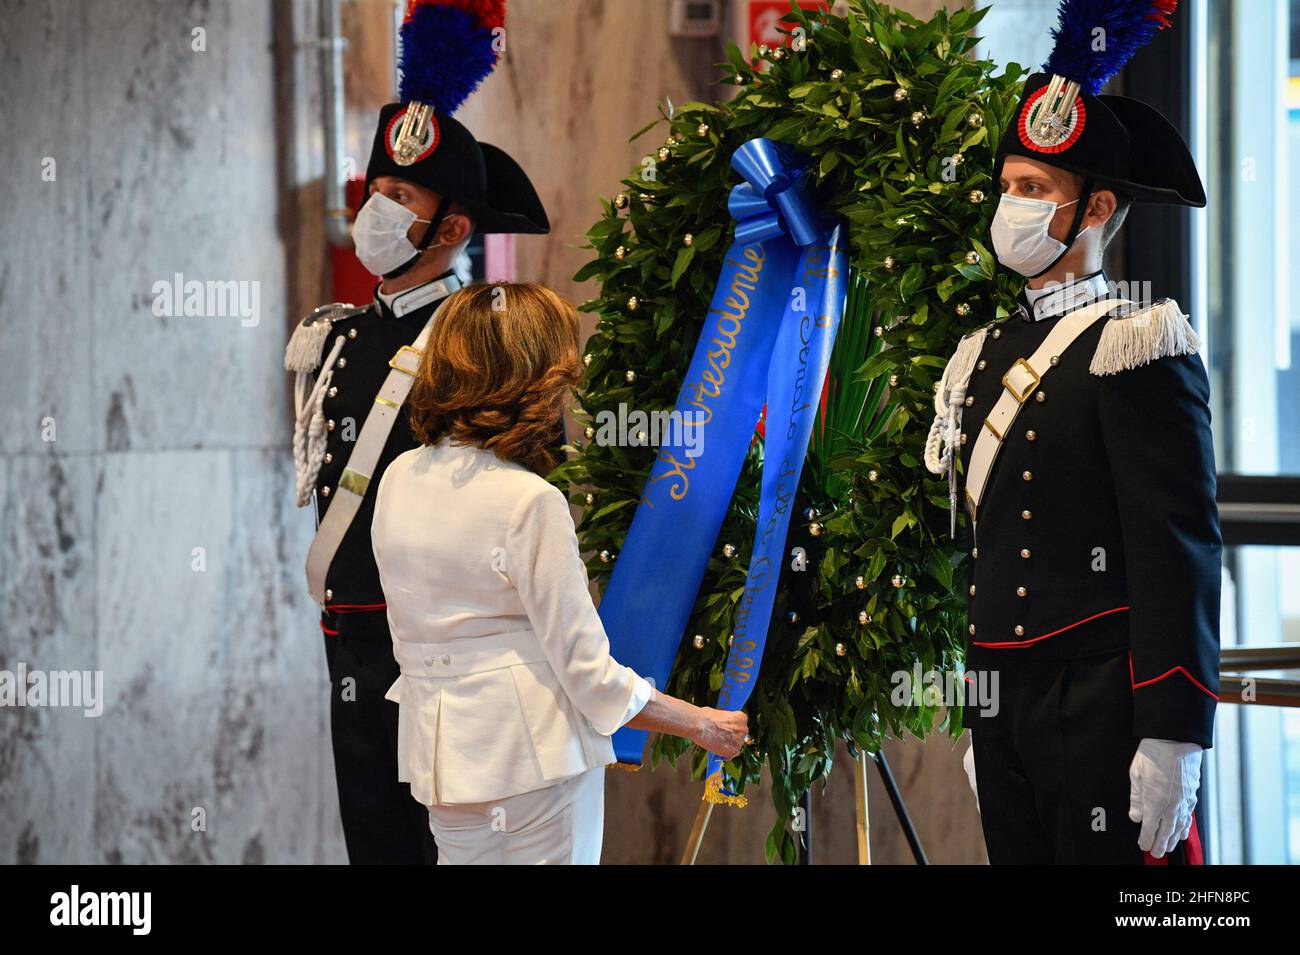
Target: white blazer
507, 684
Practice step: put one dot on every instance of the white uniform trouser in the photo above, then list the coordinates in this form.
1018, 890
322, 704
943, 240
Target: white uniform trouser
562, 824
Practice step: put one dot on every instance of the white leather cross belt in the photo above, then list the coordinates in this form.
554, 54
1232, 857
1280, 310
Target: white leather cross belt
1018, 385
362, 461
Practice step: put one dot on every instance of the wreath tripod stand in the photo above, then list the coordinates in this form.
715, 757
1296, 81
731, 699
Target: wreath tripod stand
863, 823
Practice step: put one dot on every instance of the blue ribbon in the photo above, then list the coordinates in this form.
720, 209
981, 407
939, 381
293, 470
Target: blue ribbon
771, 326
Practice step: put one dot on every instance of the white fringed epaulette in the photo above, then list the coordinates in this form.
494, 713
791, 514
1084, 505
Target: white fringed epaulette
1142, 335
303, 353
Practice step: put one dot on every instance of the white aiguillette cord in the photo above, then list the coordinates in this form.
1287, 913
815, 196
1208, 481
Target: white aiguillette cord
1020, 381
361, 462
948, 398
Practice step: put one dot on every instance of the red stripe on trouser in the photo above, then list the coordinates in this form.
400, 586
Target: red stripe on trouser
349, 608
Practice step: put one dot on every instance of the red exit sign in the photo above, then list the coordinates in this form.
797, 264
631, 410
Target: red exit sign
762, 21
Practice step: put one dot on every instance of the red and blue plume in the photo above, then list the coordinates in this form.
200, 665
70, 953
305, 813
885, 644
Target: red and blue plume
447, 50
1095, 38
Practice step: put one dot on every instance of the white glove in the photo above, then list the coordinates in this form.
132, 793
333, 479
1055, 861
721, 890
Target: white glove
968, 763
1163, 780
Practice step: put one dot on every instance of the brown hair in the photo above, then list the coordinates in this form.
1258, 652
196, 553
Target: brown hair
497, 371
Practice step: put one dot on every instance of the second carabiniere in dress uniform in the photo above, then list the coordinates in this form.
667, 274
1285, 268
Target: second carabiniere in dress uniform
430, 186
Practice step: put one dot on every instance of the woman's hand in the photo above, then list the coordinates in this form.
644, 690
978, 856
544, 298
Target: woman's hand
719, 731
722, 732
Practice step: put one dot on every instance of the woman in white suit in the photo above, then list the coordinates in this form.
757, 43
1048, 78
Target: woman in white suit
508, 694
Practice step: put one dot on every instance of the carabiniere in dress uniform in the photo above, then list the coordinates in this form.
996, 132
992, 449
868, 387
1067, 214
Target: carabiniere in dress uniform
354, 367
1081, 427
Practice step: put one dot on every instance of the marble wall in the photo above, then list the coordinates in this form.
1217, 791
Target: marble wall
147, 529
145, 482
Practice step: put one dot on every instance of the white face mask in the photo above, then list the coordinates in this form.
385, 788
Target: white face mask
1020, 236
379, 234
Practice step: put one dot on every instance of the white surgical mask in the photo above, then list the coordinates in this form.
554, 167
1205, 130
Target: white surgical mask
1020, 236
379, 234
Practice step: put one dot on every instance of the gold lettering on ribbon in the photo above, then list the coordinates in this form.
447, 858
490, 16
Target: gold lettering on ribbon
742, 659
818, 263
730, 323
743, 656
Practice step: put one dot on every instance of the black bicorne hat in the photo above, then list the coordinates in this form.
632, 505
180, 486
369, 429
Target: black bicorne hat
1120, 143
447, 48
446, 158
1064, 120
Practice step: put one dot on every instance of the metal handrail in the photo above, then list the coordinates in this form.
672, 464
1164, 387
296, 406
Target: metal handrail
1258, 691
1238, 687
1275, 656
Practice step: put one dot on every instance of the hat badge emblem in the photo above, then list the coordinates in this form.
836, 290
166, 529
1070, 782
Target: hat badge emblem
412, 134
1053, 117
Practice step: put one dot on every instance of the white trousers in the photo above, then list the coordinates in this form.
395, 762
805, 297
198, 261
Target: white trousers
562, 824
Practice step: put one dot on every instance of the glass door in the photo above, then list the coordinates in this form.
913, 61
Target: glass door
1246, 279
